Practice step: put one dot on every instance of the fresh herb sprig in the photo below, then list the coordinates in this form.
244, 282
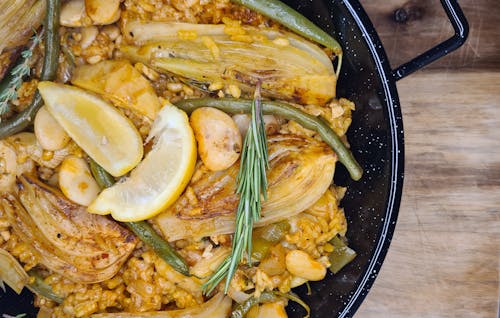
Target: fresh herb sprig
17, 74
252, 183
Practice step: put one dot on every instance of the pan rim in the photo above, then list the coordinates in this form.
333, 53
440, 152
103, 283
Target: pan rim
394, 118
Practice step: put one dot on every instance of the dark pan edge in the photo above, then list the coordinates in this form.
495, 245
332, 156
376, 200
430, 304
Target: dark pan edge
397, 157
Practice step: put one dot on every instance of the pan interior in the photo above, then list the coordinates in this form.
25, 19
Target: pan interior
376, 138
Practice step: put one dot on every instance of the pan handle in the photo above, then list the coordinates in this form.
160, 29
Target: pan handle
461, 27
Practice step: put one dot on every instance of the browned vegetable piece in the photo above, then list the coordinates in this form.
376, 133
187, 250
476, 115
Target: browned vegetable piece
218, 138
8, 167
301, 264
289, 67
103, 12
73, 14
301, 170
11, 272
119, 82
265, 237
274, 262
341, 255
84, 247
23, 119
7, 58
18, 19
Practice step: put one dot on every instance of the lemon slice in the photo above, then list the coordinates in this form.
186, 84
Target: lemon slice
105, 134
160, 178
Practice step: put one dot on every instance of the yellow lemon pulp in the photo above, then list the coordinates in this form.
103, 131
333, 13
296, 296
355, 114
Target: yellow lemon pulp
160, 178
104, 133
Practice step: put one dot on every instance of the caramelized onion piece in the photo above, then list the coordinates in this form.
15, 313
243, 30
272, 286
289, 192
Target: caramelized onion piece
18, 19
289, 67
12, 272
301, 170
83, 247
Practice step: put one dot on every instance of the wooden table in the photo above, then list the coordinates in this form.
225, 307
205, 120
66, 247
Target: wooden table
444, 258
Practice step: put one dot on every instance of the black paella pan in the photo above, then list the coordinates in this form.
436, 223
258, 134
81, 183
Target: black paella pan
376, 138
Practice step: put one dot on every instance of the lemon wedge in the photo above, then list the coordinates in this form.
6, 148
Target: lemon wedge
104, 133
160, 178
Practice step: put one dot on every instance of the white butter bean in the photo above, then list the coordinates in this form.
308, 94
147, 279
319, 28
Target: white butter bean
76, 181
103, 12
8, 167
218, 137
49, 134
72, 13
89, 34
301, 264
271, 123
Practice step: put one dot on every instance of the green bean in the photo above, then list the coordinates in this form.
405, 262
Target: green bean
273, 232
142, 229
287, 111
265, 237
341, 255
161, 247
103, 178
283, 14
242, 309
260, 248
70, 57
50, 62
39, 287
295, 298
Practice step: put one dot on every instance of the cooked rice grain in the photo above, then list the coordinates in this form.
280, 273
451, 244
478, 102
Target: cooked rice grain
146, 282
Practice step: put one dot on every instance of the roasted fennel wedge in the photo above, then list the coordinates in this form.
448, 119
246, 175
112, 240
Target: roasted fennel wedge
18, 19
11, 272
289, 67
301, 170
83, 247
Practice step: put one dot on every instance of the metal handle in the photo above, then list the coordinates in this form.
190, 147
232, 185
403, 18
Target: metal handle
461, 27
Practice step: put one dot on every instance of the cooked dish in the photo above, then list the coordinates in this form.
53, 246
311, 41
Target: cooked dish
169, 158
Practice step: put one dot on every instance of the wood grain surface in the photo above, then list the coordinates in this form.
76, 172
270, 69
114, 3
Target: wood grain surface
410, 27
444, 259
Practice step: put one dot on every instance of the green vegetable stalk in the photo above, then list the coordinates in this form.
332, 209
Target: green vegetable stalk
341, 255
161, 247
13, 80
142, 229
266, 297
102, 177
50, 62
265, 237
16, 277
39, 287
295, 70
287, 111
242, 309
252, 184
283, 14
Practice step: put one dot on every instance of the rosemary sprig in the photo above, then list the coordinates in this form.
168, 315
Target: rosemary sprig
252, 183
18, 73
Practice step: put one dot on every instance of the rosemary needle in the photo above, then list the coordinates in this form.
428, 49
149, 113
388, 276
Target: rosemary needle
252, 183
15, 79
